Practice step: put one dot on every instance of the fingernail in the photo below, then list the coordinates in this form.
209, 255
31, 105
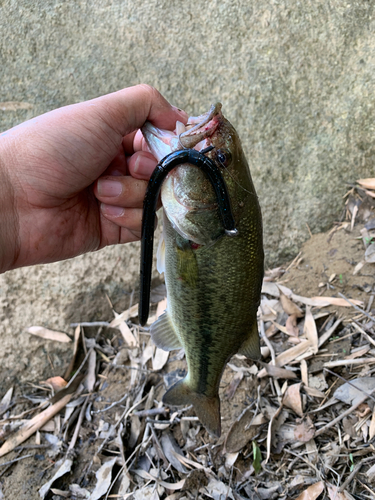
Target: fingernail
144, 166
112, 210
110, 188
182, 113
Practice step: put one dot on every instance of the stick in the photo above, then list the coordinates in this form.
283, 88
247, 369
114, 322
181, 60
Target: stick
357, 308
340, 417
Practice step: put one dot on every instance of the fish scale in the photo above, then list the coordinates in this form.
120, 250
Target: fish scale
213, 281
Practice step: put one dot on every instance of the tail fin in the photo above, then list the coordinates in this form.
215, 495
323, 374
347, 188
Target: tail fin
206, 408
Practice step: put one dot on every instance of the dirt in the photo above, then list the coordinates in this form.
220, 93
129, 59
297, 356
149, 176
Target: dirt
324, 267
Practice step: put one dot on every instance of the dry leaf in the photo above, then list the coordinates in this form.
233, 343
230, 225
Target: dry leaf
75, 491
334, 301
64, 469
311, 391
276, 371
5, 402
171, 449
77, 335
334, 493
367, 183
132, 312
234, 383
160, 358
293, 353
350, 395
148, 352
304, 431
291, 325
33, 425
170, 486
241, 431
63, 494
47, 334
359, 352
274, 290
372, 425
290, 307
312, 451
103, 476
292, 399
14, 105
57, 383
126, 333
304, 373
370, 253
162, 306
312, 492
217, 490
310, 330
370, 473
90, 378
125, 484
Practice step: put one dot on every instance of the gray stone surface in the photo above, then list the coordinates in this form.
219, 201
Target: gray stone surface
295, 78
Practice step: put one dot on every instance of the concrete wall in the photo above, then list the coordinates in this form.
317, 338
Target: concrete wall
296, 78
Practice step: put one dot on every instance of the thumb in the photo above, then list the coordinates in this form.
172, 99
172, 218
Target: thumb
129, 108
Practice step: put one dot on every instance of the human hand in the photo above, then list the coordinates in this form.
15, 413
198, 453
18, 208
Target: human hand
52, 205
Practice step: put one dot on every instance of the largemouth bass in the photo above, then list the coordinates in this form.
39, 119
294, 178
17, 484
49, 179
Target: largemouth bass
213, 281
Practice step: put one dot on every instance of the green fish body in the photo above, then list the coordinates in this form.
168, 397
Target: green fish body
213, 281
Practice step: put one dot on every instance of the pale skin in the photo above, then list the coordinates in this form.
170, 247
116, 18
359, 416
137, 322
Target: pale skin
73, 180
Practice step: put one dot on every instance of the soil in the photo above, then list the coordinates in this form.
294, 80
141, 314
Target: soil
324, 267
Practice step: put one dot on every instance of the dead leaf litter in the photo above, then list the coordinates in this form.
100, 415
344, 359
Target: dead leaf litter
298, 424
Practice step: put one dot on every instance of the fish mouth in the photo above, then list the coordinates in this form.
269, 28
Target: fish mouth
187, 196
196, 134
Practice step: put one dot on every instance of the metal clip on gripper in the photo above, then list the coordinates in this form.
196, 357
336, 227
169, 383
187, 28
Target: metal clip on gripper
162, 169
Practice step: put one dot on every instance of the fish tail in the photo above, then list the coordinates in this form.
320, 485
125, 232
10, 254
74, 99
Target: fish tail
207, 408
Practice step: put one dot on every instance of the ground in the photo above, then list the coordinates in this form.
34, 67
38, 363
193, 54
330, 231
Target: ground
277, 439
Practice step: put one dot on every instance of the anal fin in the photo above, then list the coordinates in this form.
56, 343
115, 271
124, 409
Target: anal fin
251, 346
164, 335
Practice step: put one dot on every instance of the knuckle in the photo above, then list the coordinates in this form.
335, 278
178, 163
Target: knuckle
151, 91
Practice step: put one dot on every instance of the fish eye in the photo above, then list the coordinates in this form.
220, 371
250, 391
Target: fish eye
223, 156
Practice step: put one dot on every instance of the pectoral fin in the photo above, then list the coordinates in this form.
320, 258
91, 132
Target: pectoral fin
160, 255
163, 334
251, 346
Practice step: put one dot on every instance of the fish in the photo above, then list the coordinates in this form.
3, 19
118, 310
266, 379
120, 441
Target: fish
213, 281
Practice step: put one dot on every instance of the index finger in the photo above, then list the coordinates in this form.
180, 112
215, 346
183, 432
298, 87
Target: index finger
128, 109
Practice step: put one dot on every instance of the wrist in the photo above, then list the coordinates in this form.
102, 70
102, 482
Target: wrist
9, 224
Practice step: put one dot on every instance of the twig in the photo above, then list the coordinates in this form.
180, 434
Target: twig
267, 342
113, 404
350, 383
340, 417
150, 413
369, 339
357, 308
306, 461
293, 262
354, 472
93, 323
79, 369
16, 460
78, 426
